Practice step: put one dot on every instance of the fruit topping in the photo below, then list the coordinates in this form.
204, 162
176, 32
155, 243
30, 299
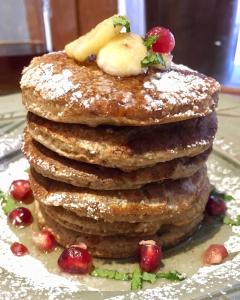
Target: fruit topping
122, 55
75, 260
160, 39
44, 240
215, 254
150, 255
19, 249
98, 37
215, 206
20, 190
20, 217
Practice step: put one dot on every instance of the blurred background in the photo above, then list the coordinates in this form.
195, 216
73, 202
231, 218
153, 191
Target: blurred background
206, 31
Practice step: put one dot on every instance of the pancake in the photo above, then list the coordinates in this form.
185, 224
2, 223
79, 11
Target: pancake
99, 227
117, 246
169, 201
59, 168
85, 225
126, 148
60, 89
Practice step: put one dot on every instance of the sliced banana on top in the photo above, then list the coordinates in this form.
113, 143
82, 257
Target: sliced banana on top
93, 41
122, 55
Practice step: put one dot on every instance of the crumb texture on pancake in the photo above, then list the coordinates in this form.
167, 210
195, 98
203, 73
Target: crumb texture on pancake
126, 148
169, 200
60, 89
104, 228
51, 165
116, 246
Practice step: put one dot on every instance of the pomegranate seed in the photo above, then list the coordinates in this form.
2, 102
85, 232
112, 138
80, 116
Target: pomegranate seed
215, 206
20, 190
165, 42
215, 254
75, 260
19, 249
20, 217
150, 255
44, 240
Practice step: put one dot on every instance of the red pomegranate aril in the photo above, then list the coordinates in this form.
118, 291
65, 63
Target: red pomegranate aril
215, 206
44, 240
165, 42
20, 217
75, 260
20, 190
215, 254
19, 249
150, 255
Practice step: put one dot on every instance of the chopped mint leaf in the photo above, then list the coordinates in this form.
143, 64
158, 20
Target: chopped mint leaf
110, 274
221, 195
227, 197
150, 277
136, 282
137, 277
7, 203
152, 59
231, 222
150, 40
122, 276
121, 21
172, 275
228, 221
103, 273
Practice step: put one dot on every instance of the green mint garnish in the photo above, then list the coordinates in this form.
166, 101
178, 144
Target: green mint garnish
7, 203
227, 197
110, 274
221, 195
152, 59
136, 282
150, 40
137, 277
172, 276
149, 277
122, 276
121, 21
231, 222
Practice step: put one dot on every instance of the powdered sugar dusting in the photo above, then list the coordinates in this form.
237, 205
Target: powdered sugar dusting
208, 279
179, 86
76, 96
55, 286
173, 81
50, 85
27, 268
200, 283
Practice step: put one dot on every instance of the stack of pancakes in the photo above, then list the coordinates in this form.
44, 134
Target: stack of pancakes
117, 160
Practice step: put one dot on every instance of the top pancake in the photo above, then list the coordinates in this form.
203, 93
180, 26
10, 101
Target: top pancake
60, 89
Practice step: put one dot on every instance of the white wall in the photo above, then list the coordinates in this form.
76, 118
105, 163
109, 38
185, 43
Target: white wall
135, 10
13, 23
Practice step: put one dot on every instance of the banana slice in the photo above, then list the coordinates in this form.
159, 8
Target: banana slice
91, 42
122, 55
